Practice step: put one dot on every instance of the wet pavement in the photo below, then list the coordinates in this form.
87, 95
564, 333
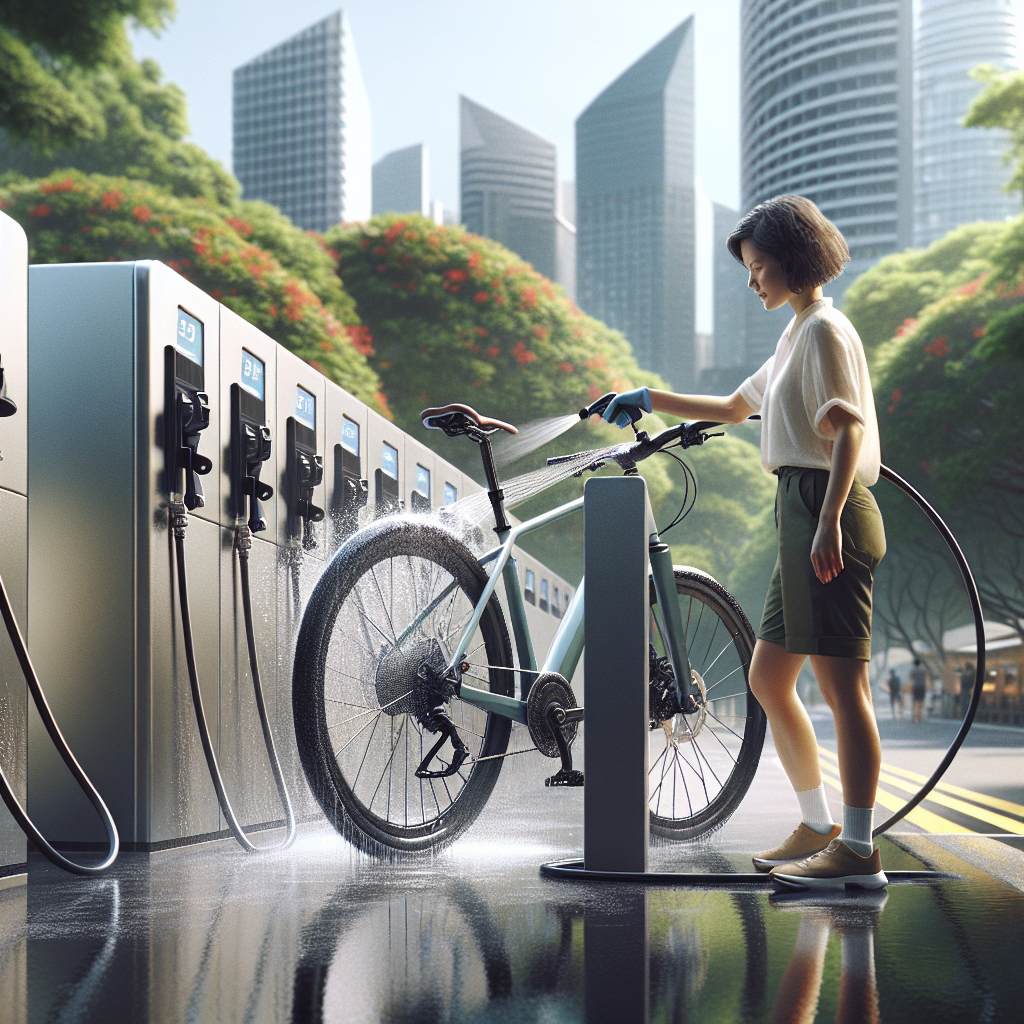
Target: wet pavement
475, 934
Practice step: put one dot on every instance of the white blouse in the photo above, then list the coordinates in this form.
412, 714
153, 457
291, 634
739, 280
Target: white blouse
818, 364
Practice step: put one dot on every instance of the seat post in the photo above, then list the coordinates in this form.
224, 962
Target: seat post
494, 491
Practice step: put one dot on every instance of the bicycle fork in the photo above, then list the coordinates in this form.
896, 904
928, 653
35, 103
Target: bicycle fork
670, 622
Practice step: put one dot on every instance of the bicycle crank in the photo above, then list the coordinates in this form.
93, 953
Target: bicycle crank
552, 718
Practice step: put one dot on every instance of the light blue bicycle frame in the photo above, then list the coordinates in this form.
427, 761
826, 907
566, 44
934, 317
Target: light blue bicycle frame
564, 654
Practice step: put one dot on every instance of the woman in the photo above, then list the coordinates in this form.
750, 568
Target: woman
819, 436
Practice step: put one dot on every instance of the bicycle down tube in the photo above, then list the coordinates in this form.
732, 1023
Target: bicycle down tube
567, 646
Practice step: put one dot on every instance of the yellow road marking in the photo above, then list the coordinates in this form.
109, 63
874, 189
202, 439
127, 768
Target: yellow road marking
948, 787
918, 816
979, 813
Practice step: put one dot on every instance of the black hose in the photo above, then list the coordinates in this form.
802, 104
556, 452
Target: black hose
179, 519
979, 630
7, 792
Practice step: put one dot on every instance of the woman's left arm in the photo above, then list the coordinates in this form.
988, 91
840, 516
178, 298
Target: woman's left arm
827, 548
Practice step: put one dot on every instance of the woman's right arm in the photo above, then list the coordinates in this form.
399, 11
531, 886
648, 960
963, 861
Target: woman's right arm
732, 408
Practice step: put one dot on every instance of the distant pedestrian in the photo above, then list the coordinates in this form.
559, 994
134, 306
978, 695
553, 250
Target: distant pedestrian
895, 687
918, 687
963, 698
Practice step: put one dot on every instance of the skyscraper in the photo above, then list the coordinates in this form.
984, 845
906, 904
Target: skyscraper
826, 112
401, 181
302, 127
730, 294
508, 180
958, 171
635, 207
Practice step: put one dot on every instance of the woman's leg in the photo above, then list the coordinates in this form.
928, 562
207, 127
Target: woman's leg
846, 688
773, 675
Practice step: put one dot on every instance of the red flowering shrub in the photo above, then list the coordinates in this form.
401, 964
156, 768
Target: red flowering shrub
91, 218
427, 294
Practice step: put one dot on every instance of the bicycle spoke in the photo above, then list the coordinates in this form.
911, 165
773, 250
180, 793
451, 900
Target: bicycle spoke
708, 689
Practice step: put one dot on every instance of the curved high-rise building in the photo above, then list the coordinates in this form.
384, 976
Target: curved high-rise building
508, 184
959, 171
826, 112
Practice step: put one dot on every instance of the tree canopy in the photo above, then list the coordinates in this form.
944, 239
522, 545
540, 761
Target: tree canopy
41, 44
1001, 105
139, 126
72, 217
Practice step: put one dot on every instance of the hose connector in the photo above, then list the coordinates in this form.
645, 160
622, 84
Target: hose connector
243, 539
178, 515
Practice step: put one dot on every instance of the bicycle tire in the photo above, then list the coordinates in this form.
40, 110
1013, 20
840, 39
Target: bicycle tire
385, 576
698, 791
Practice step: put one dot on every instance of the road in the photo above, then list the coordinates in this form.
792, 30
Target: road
982, 791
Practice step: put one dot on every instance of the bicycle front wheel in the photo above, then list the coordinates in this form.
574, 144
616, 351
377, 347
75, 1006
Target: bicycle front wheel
702, 764
382, 622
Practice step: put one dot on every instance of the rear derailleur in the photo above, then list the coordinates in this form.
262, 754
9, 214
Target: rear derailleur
433, 692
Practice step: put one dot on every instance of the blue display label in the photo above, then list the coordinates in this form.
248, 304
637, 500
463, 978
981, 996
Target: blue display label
423, 481
350, 436
189, 338
389, 461
305, 408
451, 494
253, 374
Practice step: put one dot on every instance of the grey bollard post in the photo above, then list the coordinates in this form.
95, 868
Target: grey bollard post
616, 821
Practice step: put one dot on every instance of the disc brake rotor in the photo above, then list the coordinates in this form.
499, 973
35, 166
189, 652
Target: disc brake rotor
686, 728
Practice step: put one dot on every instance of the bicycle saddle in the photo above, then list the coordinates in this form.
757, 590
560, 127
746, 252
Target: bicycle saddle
459, 419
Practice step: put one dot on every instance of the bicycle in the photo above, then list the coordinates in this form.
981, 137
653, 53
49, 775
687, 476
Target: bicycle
404, 651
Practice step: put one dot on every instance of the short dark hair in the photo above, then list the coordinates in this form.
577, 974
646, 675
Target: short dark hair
810, 249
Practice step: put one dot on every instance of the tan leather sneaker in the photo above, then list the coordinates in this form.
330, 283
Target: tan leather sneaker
802, 843
836, 867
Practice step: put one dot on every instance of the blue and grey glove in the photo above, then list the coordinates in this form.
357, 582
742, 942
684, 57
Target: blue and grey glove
628, 407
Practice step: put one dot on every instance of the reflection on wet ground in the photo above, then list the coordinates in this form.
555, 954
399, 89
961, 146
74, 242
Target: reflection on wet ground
320, 933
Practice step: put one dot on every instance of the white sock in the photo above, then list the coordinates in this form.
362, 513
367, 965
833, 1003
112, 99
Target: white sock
814, 812
858, 823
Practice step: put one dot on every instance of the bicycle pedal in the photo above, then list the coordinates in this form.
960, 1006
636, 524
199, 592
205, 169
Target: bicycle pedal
565, 777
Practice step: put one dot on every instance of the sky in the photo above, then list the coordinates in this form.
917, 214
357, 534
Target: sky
537, 62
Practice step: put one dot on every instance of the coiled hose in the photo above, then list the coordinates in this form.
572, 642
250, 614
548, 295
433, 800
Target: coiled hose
7, 792
979, 632
179, 520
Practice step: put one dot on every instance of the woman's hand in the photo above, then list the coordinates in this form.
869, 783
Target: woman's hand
827, 549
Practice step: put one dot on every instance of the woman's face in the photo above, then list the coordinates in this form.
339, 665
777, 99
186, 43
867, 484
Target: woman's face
766, 277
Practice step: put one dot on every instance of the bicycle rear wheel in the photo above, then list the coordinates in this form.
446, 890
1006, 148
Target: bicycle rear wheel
702, 764
391, 603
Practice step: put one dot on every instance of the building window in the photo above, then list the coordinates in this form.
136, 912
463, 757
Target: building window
556, 605
451, 494
530, 590
543, 603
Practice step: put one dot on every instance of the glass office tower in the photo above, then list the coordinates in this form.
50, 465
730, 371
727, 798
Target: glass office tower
826, 111
635, 227
401, 181
302, 127
959, 171
508, 183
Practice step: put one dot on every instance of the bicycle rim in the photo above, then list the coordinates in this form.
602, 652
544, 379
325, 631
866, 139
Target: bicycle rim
702, 764
403, 604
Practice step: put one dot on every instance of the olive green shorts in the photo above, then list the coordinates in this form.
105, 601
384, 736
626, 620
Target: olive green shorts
801, 613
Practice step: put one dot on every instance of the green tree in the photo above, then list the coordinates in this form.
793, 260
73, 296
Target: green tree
455, 317
885, 301
39, 42
139, 129
1001, 105
77, 218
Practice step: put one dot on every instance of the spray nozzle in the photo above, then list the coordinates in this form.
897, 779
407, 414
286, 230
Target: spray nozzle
598, 407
